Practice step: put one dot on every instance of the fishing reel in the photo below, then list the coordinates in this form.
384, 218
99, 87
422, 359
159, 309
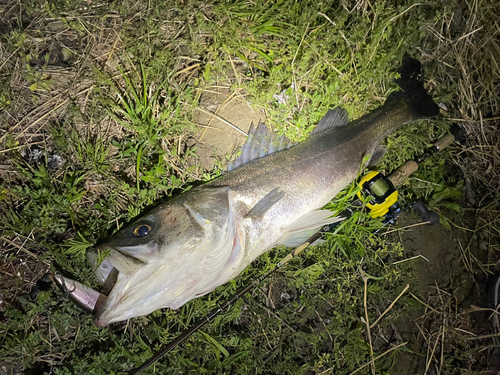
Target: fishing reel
384, 196
384, 200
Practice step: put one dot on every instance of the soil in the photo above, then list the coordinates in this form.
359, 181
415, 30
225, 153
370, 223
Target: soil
219, 140
439, 269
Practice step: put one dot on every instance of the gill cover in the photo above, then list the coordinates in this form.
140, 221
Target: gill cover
193, 238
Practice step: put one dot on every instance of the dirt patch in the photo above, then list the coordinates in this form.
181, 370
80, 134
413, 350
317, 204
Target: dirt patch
439, 248
446, 291
223, 113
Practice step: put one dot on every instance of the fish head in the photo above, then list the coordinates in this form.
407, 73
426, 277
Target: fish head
168, 227
170, 256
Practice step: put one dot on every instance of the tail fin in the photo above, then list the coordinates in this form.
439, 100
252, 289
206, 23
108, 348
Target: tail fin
419, 101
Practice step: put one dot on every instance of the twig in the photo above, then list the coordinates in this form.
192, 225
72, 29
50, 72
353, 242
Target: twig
324, 325
483, 337
41, 118
220, 107
378, 357
236, 75
300, 44
29, 114
385, 28
324, 60
416, 256
206, 126
186, 69
425, 304
113, 48
24, 249
21, 146
276, 316
391, 305
409, 226
221, 119
429, 359
8, 58
346, 40
367, 322
209, 122
442, 348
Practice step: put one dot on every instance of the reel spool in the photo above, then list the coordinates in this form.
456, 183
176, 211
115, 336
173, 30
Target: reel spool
382, 191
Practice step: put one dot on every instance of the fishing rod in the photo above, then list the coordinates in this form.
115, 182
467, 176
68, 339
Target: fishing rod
379, 188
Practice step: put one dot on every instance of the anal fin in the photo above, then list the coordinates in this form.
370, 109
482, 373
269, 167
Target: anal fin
306, 225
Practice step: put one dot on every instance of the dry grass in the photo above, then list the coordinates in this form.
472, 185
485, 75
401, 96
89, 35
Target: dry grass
467, 56
444, 332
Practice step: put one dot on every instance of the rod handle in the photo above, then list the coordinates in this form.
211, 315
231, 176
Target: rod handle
444, 142
399, 175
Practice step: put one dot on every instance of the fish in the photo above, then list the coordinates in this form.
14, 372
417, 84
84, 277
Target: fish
272, 194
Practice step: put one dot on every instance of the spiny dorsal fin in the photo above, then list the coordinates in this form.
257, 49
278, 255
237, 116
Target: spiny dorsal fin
266, 203
333, 118
260, 142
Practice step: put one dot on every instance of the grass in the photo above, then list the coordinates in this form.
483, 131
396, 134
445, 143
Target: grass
98, 103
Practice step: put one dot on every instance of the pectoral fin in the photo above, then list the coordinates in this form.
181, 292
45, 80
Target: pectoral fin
262, 206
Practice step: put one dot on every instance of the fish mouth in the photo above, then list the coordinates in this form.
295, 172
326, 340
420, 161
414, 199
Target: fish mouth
104, 270
98, 320
147, 281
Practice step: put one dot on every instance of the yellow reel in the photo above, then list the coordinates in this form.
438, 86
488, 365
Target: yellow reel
381, 190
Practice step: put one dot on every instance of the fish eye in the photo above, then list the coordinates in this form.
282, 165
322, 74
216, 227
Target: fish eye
142, 230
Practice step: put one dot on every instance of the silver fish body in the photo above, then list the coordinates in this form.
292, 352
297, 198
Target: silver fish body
193, 243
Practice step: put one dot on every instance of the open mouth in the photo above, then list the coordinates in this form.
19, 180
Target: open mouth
105, 272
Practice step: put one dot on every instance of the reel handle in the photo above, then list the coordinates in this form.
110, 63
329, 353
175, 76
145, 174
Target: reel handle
425, 214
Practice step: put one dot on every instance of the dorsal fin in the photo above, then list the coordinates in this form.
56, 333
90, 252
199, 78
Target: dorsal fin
333, 118
260, 142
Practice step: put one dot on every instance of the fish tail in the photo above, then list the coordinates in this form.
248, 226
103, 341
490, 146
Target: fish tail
420, 103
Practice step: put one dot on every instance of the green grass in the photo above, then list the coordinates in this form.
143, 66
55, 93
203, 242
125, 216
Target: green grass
119, 137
